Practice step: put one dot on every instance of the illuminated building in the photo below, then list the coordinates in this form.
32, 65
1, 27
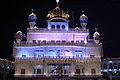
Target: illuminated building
6, 69
57, 49
111, 67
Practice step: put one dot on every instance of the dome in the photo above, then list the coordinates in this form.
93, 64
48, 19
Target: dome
83, 18
32, 14
18, 35
57, 12
32, 17
96, 34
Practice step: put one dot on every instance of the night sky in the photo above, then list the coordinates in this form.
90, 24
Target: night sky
102, 14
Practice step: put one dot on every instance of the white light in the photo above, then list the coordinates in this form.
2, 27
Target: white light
110, 61
114, 69
110, 69
115, 72
105, 70
8, 67
57, 1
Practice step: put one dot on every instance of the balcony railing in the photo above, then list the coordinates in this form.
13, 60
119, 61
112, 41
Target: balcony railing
73, 30
41, 43
45, 59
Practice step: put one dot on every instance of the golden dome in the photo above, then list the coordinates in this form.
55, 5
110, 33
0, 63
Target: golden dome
57, 12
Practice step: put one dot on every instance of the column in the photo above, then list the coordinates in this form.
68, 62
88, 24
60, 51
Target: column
46, 69
72, 69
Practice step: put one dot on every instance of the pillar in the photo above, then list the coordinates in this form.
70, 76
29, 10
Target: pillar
45, 69
72, 69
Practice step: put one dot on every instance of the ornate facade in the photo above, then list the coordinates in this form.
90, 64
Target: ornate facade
57, 49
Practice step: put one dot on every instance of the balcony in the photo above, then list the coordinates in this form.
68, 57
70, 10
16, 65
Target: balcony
62, 43
46, 59
45, 30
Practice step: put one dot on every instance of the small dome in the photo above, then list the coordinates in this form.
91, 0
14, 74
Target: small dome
57, 12
18, 35
96, 34
32, 17
32, 14
83, 18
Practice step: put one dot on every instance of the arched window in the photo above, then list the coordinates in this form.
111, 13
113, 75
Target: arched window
63, 26
58, 26
53, 26
110, 66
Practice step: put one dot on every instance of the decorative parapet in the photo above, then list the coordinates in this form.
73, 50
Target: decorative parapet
65, 43
45, 60
45, 30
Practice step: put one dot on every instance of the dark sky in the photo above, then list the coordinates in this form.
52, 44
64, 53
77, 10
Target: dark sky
103, 15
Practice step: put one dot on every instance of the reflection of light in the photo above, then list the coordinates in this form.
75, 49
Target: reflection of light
119, 69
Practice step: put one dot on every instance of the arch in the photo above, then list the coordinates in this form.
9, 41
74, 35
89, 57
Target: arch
53, 26
58, 26
63, 26
38, 69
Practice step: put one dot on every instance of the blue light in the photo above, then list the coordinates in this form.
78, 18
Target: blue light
79, 54
23, 52
51, 53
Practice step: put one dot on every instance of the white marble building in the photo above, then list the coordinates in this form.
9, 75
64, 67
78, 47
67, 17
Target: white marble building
57, 49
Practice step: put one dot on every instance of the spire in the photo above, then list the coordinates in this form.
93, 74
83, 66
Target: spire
82, 11
96, 36
57, 12
32, 19
32, 10
57, 1
83, 21
95, 29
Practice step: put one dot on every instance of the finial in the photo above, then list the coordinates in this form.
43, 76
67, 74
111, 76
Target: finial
57, 1
32, 10
82, 11
96, 29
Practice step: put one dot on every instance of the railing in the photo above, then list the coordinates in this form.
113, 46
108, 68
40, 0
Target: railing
73, 30
41, 43
56, 76
42, 60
